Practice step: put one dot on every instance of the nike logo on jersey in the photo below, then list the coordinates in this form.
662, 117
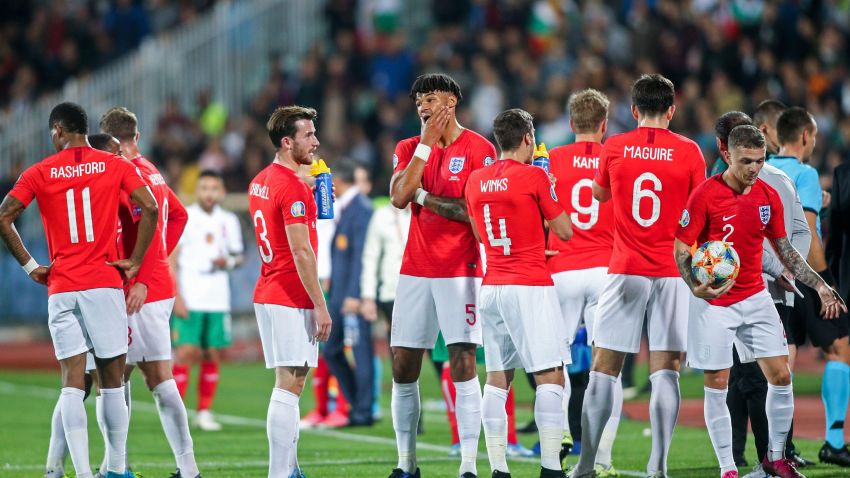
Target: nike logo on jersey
726, 218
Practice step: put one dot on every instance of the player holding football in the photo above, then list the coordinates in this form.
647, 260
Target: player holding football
580, 267
291, 311
742, 210
441, 268
518, 304
208, 250
150, 296
78, 191
647, 173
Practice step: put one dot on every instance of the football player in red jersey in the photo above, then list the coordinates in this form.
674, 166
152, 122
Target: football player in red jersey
78, 191
291, 311
441, 269
580, 267
519, 309
150, 296
742, 210
647, 173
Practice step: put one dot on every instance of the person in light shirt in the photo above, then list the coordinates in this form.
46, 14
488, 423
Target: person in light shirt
210, 248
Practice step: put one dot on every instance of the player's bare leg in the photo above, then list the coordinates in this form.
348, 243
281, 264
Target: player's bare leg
780, 411
664, 404
717, 418
116, 420
282, 419
172, 414
467, 404
597, 406
495, 418
407, 365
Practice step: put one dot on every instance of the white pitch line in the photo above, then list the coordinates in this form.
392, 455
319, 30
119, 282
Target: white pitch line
9, 388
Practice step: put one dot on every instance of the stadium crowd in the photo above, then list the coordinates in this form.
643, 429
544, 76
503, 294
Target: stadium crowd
723, 55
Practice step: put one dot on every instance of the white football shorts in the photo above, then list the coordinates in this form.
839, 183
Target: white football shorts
578, 294
424, 306
523, 328
752, 324
150, 333
287, 335
625, 301
84, 320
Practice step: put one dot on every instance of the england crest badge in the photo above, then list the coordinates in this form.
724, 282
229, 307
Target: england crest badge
456, 164
764, 214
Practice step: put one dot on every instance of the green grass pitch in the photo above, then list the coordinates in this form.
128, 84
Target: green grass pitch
241, 449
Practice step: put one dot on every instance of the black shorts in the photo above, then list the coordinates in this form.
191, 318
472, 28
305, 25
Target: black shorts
805, 321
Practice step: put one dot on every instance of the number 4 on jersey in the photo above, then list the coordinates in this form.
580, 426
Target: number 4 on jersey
504, 242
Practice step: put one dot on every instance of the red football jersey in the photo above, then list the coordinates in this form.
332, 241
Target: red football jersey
651, 172
278, 197
155, 271
436, 246
507, 202
715, 212
78, 191
574, 167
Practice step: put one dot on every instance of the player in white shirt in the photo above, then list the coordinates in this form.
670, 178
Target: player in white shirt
211, 246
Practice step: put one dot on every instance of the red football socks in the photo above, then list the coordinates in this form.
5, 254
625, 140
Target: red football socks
181, 377
207, 385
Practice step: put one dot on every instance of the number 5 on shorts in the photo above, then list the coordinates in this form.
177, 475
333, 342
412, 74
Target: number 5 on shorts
470, 314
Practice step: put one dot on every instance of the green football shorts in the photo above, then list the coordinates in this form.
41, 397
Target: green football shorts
202, 329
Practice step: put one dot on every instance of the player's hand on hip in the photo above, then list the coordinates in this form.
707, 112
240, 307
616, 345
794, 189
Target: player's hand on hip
136, 298
39, 274
832, 305
706, 291
128, 266
323, 323
435, 126
369, 309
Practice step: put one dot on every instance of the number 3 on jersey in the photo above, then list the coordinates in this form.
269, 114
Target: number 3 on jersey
504, 242
263, 244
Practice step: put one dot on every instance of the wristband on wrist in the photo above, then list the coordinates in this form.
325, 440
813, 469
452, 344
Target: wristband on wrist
230, 263
422, 152
419, 196
30, 266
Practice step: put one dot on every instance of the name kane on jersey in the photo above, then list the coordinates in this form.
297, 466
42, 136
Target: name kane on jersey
586, 162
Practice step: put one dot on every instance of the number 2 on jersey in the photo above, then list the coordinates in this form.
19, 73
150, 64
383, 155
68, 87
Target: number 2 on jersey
72, 215
504, 242
263, 244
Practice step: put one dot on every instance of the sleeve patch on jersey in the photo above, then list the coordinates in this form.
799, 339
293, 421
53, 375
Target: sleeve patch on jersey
489, 160
764, 214
395, 161
686, 218
298, 209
